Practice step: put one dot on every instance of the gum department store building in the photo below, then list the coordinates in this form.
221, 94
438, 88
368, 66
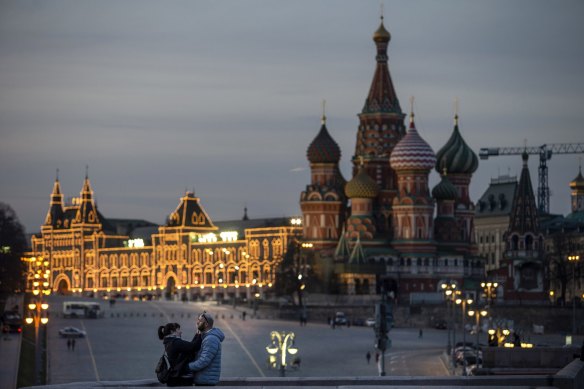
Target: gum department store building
382, 227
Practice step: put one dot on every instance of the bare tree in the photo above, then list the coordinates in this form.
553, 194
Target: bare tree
560, 271
12, 246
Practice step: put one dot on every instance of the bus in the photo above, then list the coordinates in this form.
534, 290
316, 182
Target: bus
86, 309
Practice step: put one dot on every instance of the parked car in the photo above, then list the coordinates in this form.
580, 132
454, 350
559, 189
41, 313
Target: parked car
71, 332
440, 324
370, 322
11, 322
340, 319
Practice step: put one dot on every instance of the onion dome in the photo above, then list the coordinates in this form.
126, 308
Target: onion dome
578, 182
361, 186
456, 156
412, 152
323, 148
381, 35
445, 190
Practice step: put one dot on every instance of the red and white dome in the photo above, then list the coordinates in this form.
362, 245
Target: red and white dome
412, 152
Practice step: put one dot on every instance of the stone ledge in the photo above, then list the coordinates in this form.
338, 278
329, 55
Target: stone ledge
571, 377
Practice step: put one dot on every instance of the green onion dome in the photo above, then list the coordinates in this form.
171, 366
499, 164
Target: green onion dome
456, 156
323, 148
361, 186
445, 190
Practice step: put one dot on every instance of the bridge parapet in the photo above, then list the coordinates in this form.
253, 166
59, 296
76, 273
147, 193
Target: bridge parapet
570, 377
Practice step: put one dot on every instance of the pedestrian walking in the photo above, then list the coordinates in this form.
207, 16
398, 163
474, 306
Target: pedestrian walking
72, 344
368, 357
244, 313
69, 344
421, 333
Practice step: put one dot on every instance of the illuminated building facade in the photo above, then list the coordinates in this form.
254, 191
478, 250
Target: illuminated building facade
189, 256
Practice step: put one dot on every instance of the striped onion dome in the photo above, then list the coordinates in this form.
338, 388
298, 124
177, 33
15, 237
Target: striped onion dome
361, 186
456, 156
323, 148
412, 152
445, 190
578, 182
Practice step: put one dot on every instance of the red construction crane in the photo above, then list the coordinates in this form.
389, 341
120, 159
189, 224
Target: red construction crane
545, 153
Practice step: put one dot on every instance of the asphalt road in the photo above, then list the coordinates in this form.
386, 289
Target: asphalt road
123, 345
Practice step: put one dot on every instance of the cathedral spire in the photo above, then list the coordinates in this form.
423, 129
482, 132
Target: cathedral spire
87, 212
55, 214
524, 211
382, 97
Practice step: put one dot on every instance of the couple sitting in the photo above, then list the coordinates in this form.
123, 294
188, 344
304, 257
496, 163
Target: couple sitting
197, 361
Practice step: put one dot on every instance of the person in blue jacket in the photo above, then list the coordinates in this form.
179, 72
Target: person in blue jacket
207, 365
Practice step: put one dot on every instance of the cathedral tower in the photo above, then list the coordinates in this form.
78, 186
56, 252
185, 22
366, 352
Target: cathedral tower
323, 202
381, 126
460, 162
55, 213
524, 243
413, 208
86, 212
577, 192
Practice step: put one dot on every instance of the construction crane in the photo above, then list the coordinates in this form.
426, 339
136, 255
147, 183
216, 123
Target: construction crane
545, 153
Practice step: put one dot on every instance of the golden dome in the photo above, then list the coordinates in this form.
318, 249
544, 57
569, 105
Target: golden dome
381, 35
578, 182
361, 186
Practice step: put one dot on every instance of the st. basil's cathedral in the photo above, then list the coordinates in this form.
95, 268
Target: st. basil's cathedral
385, 228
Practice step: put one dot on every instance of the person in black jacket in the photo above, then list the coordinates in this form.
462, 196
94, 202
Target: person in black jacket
180, 352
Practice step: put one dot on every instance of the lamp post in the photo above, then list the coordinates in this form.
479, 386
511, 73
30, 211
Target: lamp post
490, 289
283, 343
37, 308
463, 303
574, 259
477, 314
449, 289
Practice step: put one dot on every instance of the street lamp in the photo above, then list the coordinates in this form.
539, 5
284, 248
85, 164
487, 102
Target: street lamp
449, 289
574, 259
463, 303
37, 309
477, 314
284, 343
490, 289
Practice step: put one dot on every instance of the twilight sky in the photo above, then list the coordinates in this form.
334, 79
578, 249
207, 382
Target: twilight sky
225, 96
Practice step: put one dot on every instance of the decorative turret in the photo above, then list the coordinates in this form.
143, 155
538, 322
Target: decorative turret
413, 208
87, 212
323, 202
55, 214
577, 192
190, 215
578, 182
524, 211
